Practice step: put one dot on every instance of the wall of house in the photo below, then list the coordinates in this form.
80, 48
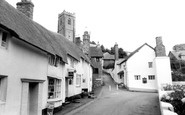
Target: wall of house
117, 69
58, 73
86, 76
163, 71
20, 60
138, 65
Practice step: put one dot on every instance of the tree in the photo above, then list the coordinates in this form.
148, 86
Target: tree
112, 51
103, 48
121, 53
92, 42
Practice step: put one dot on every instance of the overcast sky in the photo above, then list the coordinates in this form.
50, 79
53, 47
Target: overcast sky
130, 23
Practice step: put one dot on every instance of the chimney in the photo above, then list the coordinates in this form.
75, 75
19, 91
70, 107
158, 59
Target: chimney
116, 51
78, 41
160, 48
26, 7
86, 42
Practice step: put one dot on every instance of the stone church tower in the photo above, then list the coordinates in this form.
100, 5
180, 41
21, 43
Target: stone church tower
66, 25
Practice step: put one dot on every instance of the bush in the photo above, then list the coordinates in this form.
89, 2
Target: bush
176, 98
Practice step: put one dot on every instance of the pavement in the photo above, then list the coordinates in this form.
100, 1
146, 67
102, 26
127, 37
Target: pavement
83, 102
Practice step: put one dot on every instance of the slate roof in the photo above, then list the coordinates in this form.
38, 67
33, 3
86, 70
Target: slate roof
107, 56
120, 61
126, 58
177, 54
96, 52
33, 33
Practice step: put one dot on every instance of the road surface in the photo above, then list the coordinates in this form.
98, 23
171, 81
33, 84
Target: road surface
121, 102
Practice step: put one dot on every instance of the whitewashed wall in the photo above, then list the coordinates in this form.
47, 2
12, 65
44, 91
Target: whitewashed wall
163, 71
20, 60
138, 65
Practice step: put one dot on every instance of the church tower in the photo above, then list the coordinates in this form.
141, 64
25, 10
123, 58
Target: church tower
66, 25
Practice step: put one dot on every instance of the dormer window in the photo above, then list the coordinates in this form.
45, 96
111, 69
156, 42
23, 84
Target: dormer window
54, 60
69, 21
3, 38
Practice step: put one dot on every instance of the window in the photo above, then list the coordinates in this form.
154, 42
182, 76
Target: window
84, 80
54, 60
3, 38
78, 80
151, 77
97, 59
137, 77
54, 88
3, 88
70, 81
95, 70
69, 21
61, 21
150, 64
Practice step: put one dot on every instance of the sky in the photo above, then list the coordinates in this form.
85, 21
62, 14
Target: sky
130, 23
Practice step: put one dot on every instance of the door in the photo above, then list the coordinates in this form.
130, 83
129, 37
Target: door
67, 86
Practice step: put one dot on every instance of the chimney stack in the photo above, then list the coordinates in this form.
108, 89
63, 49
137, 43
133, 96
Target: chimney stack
160, 48
86, 42
78, 41
26, 7
116, 51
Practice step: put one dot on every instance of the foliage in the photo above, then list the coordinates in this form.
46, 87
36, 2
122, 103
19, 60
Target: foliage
111, 51
122, 53
178, 70
92, 42
176, 98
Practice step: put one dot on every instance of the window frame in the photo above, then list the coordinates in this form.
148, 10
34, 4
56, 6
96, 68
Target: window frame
3, 88
78, 80
151, 77
150, 64
69, 21
56, 86
4, 35
137, 77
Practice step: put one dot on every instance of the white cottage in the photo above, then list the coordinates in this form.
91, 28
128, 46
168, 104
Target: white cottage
146, 68
37, 65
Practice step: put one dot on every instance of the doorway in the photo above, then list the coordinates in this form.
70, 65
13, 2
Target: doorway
33, 98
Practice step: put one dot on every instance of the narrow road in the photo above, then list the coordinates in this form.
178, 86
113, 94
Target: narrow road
121, 102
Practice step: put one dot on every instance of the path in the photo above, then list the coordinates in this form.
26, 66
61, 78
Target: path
119, 102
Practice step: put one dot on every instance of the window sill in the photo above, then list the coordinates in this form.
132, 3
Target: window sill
54, 100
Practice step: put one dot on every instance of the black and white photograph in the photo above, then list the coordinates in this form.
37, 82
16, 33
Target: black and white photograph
92, 57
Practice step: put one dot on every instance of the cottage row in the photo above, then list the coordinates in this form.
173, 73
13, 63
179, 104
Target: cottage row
37, 66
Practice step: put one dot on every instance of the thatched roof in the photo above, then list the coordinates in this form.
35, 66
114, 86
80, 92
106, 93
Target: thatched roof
107, 56
33, 33
96, 52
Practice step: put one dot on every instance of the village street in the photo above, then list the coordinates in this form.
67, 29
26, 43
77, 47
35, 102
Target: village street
121, 102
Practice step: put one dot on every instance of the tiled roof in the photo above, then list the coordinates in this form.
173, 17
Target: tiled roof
107, 56
135, 52
96, 52
177, 54
33, 33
